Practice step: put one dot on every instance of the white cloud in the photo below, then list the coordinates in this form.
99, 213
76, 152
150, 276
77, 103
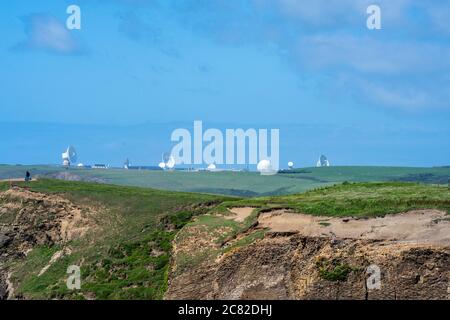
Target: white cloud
337, 13
371, 55
45, 32
409, 98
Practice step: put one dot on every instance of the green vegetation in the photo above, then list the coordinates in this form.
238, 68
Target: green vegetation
324, 224
334, 270
347, 199
246, 240
220, 235
241, 184
360, 199
127, 258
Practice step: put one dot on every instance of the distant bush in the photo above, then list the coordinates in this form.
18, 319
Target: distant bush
334, 270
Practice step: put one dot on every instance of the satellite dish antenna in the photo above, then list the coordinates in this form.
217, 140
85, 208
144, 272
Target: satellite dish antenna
70, 156
162, 165
323, 162
291, 165
170, 164
166, 157
126, 164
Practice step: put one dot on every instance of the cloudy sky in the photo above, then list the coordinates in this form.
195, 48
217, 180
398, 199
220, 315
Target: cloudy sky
308, 67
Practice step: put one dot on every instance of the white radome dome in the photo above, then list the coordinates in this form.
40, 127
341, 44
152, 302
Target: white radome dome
290, 164
212, 166
162, 165
264, 166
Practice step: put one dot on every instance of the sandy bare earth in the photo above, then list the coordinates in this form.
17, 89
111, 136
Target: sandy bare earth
13, 180
240, 214
420, 226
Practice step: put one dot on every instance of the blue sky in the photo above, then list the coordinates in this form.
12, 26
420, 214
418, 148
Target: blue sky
308, 67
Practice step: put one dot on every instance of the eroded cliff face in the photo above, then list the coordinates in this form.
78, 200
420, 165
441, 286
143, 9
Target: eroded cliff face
290, 265
30, 219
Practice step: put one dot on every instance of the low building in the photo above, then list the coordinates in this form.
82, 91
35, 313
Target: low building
99, 166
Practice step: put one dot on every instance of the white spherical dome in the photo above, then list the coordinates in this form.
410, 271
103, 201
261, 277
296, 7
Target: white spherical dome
264, 166
212, 166
290, 164
162, 165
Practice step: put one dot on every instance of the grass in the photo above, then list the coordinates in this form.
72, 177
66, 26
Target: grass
130, 257
360, 199
346, 199
242, 184
334, 270
325, 224
246, 240
127, 259
217, 231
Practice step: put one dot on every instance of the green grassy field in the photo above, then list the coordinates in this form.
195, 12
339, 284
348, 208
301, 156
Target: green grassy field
129, 257
242, 184
361, 199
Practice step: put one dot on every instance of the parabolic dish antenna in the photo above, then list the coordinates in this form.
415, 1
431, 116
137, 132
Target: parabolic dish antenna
170, 163
166, 157
70, 156
323, 162
290, 165
126, 164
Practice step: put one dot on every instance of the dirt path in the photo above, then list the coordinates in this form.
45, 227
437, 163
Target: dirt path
421, 226
240, 214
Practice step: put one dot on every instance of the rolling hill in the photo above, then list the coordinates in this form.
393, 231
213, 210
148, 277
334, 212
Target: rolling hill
242, 184
138, 243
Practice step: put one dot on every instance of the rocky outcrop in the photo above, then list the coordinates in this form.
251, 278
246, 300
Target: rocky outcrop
29, 219
293, 266
3, 286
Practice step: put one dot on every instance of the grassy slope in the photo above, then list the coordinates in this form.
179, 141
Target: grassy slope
348, 199
246, 184
437, 175
129, 258
120, 262
360, 199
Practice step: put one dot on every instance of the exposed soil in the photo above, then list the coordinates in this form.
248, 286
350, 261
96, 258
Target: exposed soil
44, 217
12, 180
29, 219
420, 226
285, 266
56, 256
240, 214
308, 257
